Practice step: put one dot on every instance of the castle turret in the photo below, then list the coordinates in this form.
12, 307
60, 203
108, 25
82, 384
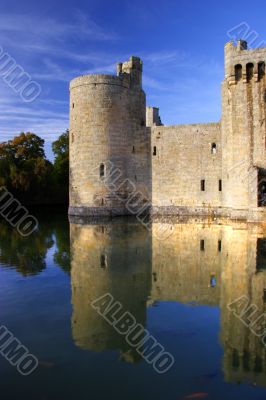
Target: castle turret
153, 117
243, 125
109, 151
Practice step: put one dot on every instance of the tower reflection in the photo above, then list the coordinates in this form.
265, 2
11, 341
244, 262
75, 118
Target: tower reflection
243, 274
108, 258
200, 262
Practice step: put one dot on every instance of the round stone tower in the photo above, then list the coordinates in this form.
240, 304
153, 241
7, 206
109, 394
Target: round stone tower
109, 154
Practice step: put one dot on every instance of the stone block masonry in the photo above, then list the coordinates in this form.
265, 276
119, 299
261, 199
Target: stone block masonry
214, 169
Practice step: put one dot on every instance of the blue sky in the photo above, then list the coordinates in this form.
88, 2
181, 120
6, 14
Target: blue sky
181, 44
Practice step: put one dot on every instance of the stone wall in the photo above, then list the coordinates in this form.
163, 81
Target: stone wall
182, 157
214, 169
243, 124
107, 136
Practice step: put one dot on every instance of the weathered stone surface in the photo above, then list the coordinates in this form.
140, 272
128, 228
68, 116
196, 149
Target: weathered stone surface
204, 169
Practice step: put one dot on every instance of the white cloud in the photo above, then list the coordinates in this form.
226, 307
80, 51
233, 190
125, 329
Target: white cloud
33, 28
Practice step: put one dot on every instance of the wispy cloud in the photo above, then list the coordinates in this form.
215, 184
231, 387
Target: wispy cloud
165, 57
47, 49
33, 28
54, 51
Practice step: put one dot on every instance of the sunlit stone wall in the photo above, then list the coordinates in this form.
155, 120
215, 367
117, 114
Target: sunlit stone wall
107, 133
182, 157
243, 124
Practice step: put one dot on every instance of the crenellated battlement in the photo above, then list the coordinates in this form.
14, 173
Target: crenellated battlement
133, 67
198, 169
243, 63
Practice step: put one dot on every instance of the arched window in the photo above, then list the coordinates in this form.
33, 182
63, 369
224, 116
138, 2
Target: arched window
102, 170
250, 71
154, 151
214, 148
261, 70
238, 72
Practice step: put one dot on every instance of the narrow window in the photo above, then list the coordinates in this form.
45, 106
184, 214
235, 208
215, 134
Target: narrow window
72, 137
250, 71
102, 170
133, 149
212, 280
246, 361
235, 359
220, 185
261, 70
202, 245
262, 192
219, 245
102, 202
238, 72
103, 261
261, 254
73, 105
214, 148
202, 185
154, 151
264, 295
258, 364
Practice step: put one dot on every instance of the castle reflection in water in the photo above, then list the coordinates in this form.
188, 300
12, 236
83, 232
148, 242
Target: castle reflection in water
206, 263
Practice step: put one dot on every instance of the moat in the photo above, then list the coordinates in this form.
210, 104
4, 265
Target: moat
178, 288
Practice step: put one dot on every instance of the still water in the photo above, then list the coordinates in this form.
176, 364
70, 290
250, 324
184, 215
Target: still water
178, 289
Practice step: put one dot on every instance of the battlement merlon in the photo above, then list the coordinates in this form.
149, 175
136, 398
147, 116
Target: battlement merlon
153, 117
240, 55
133, 67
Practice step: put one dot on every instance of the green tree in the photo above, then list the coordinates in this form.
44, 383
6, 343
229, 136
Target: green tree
61, 164
24, 169
26, 172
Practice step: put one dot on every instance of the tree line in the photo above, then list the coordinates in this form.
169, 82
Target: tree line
29, 176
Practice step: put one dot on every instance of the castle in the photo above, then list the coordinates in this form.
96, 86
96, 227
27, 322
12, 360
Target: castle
124, 161
193, 267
